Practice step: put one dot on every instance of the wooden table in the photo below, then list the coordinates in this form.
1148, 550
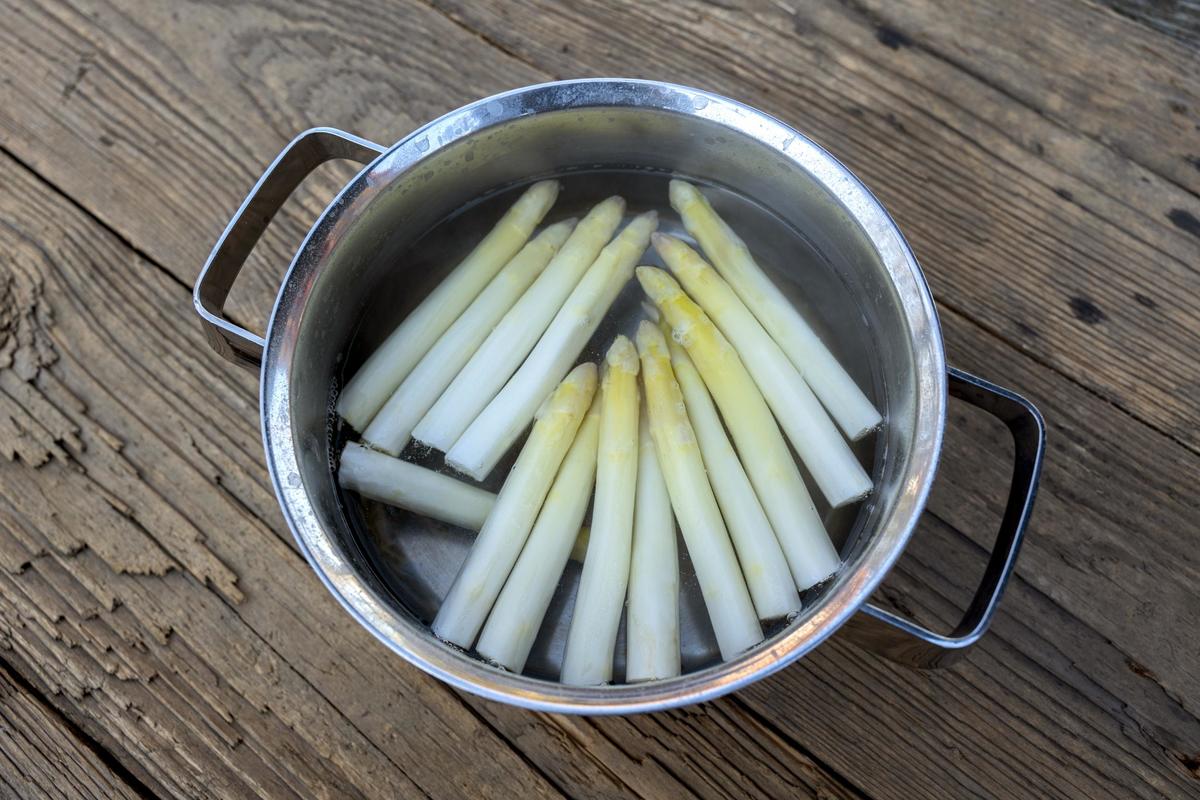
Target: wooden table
161, 636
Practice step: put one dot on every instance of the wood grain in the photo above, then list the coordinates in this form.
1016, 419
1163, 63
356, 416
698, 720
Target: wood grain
161, 136
42, 757
1101, 75
1178, 18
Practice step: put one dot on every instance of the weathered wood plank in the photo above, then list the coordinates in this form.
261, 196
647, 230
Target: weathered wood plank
42, 757
716, 751
203, 96
157, 661
1178, 18
1098, 73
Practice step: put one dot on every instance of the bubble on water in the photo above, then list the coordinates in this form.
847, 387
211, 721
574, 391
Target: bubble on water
699, 102
293, 480
423, 144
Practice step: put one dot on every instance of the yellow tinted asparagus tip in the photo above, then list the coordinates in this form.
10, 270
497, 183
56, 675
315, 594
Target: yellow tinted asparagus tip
622, 355
563, 403
686, 319
686, 198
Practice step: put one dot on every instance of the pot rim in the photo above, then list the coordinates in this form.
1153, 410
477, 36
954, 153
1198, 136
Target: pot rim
405, 636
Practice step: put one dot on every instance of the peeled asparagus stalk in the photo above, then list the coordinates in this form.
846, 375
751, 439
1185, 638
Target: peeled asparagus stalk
588, 659
829, 459
513, 625
375, 381
776, 479
391, 428
838, 392
398, 483
503, 534
487, 438
652, 614
763, 563
507, 345
721, 582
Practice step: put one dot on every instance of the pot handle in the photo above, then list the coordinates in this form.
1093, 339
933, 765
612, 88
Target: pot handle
296, 162
906, 642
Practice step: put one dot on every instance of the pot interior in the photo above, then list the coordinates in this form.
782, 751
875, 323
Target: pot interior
417, 212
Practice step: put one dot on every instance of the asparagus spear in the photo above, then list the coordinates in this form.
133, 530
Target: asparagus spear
775, 476
588, 658
404, 485
828, 458
721, 582
513, 625
763, 563
506, 347
379, 376
499, 542
854, 413
398, 483
392, 426
493, 431
652, 616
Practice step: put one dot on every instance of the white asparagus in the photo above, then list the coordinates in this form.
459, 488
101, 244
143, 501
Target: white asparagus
763, 563
506, 347
491, 434
652, 614
765, 455
838, 392
390, 364
392, 427
808, 427
721, 581
398, 483
511, 628
482, 575
592, 638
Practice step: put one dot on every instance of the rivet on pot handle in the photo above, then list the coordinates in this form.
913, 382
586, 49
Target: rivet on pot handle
909, 643
303, 154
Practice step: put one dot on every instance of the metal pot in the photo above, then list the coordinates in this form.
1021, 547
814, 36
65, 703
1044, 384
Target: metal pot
868, 296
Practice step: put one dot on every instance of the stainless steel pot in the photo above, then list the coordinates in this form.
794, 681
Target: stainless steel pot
867, 294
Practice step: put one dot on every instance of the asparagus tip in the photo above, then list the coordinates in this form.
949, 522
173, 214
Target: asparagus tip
681, 192
666, 244
655, 282
622, 355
